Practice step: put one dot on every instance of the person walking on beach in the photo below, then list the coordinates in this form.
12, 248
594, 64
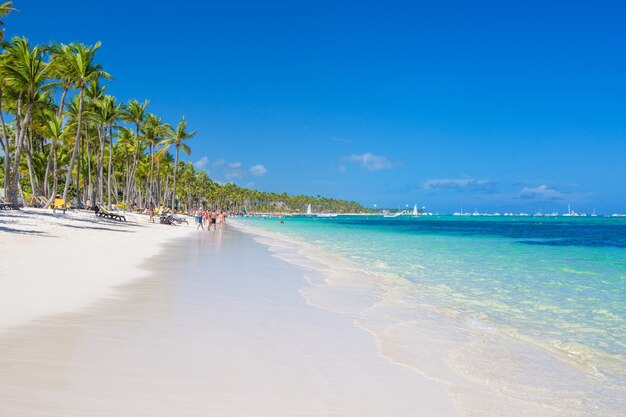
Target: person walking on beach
151, 212
221, 218
214, 220
198, 215
205, 219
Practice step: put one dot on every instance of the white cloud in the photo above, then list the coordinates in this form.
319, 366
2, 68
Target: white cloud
459, 184
258, 170
233, 173
371, 162
201, 163
342, 168
235, 165
542, 192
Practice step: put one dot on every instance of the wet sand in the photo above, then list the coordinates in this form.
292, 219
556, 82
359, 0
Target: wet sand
218, 328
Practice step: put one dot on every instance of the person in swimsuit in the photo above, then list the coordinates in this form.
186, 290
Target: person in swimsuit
151, 212
198, 215
205, 218
214, 220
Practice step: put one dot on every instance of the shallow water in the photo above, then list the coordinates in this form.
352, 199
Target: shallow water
531, 309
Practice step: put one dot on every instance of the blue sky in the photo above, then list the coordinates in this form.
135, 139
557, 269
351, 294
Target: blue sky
487, 105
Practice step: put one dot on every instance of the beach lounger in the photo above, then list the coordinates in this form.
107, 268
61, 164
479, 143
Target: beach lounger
166, 220
180, 220
59, 204
4, 205
103, 212
169, 219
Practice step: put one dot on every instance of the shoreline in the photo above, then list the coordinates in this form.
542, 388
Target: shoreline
436, 342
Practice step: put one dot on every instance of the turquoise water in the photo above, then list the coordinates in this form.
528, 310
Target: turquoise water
557, 283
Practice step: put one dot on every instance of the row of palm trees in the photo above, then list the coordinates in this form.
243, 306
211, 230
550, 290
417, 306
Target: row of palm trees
83, 134
63, 135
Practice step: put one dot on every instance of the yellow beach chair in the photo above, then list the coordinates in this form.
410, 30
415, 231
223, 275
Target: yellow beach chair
59, 204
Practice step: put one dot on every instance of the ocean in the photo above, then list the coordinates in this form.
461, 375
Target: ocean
530, 312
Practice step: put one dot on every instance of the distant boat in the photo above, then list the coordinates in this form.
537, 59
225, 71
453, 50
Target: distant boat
594, 213
415, 213
327, 215
387, 214
570, 212
308, 210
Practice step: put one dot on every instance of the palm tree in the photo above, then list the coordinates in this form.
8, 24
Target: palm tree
154, 132
109, 113
54, 131
24, 71
135, 113
5, 9
177, 138
83, 71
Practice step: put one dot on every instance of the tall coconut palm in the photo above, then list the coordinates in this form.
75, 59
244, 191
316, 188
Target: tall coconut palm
61, 72
135, 113
5, 9
25, 72
83, 71
154, 132
54, 131
107, 114
177, 139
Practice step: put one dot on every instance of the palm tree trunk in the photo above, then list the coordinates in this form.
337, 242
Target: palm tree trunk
110, 166
79, 165
175, 169
101, 167
131, 182
52, 154
91, 186
6, 149
29, 165
13, 190
98, 193
76, 145
149, 195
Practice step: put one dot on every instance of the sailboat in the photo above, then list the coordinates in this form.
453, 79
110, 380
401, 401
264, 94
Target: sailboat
415, 213
308, 210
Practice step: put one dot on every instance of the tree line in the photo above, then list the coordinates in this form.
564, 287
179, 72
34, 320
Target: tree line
63, 135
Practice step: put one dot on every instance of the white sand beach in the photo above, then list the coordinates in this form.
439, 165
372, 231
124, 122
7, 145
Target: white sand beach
58, 263
100, 318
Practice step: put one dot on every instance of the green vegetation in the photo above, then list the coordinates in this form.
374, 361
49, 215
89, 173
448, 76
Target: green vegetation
65, 136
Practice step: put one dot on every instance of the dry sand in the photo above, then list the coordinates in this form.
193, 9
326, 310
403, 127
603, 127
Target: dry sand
56, 263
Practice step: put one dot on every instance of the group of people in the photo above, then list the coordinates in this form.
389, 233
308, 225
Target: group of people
209, 218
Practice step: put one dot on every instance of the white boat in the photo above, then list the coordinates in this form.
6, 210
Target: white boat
570, 212
308, 210
327, 215
415, 213
387, 214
